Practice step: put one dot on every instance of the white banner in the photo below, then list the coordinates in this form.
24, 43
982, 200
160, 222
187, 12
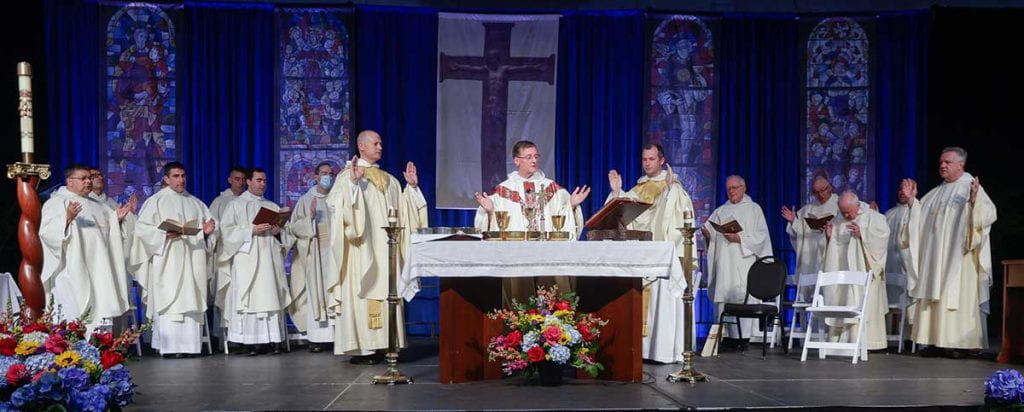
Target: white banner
496, 86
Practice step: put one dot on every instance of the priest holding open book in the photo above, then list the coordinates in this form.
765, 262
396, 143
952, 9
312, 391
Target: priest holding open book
737, 235
254, 293
173, 235
806, 227
663, 334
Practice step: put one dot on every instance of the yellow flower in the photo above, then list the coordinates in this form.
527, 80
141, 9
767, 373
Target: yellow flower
26, 348
565, 338
67, 359
537, 318
90, 367
563, 313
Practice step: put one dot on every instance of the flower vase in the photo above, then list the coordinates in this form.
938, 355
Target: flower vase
550, 373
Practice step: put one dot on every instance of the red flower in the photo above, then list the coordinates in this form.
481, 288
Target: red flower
7, 346
552, 333
586, 333
104, 339
531, 312
35, 378
16, 373
563, 305
55, 344
536, 354
514, 339
34, 327
111, 358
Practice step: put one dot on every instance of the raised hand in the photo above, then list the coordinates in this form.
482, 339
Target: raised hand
312, 208
209, 226
579, 195
909, 189
873, 205
484, 201
615, 181
357, 171
670, 176
828, 230
410, 175
789, 214
74, 208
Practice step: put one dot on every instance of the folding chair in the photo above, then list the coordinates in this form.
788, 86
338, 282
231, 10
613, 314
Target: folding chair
899, 301
804, 292
819, 308
766, 281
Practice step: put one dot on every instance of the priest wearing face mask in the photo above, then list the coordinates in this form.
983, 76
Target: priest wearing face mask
308, 231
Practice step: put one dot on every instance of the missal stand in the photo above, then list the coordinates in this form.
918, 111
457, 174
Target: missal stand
610, 223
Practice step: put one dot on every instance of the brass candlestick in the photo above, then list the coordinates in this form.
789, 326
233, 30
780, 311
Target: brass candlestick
502, 217
27, 174
392, 376
688, 373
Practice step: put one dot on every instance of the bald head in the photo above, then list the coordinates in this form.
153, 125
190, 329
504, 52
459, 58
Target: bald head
370, 147
822, 189
849, 205
735, 188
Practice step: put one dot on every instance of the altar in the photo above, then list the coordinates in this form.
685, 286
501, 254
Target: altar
609, 277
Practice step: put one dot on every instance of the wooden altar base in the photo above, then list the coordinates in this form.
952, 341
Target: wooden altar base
466, 330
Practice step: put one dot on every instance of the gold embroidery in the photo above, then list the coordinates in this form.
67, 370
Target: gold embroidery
650, 190
378, 177
375, 309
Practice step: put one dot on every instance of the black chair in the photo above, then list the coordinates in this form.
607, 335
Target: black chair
766, 280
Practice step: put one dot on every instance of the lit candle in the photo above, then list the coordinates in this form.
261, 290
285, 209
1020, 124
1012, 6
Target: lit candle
392, 215
25, 106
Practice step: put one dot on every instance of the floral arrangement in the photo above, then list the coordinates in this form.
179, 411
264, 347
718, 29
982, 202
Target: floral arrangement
547, 329
47, 365
1004, 390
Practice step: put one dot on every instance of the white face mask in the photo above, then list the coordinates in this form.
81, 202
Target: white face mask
325, 181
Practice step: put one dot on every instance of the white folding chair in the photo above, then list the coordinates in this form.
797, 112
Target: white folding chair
804, 284
204, 337
851, 310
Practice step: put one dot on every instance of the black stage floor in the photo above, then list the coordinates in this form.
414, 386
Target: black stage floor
301, 380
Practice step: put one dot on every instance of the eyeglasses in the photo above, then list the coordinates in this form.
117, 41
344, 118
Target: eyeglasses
79, 177
530, 157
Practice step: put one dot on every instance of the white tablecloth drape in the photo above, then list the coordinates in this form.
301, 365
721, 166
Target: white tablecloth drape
524, 259
10, 295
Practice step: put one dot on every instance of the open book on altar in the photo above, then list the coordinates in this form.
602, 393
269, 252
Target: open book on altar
190, 228
818, 223
732, 226
617, 214
275, 218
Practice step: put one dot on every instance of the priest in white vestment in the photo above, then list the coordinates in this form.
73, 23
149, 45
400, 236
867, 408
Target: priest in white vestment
809, 243
663, 332
946, 234
510, 196
83, 258
858, 239
236, 186
171, 266
895, 261
309, 232
361, 200
730, 255
254, 292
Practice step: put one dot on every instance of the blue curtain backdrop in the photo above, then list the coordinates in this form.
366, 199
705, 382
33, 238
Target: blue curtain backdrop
600, 100
227, 85
760, 112
901, 101
73, 57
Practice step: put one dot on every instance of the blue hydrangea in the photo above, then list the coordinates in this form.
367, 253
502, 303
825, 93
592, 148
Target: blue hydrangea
74, 378
50, 387
559, 354
93, 400
530, 339
1005, 387
23, 395
552, 320
87, 352
37, 363
8, 407
120, 383
574, 336
37, 337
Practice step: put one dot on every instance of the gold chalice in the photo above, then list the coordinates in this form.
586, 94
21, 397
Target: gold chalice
558, 221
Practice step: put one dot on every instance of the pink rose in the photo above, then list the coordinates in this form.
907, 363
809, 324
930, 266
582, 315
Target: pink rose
552, 333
